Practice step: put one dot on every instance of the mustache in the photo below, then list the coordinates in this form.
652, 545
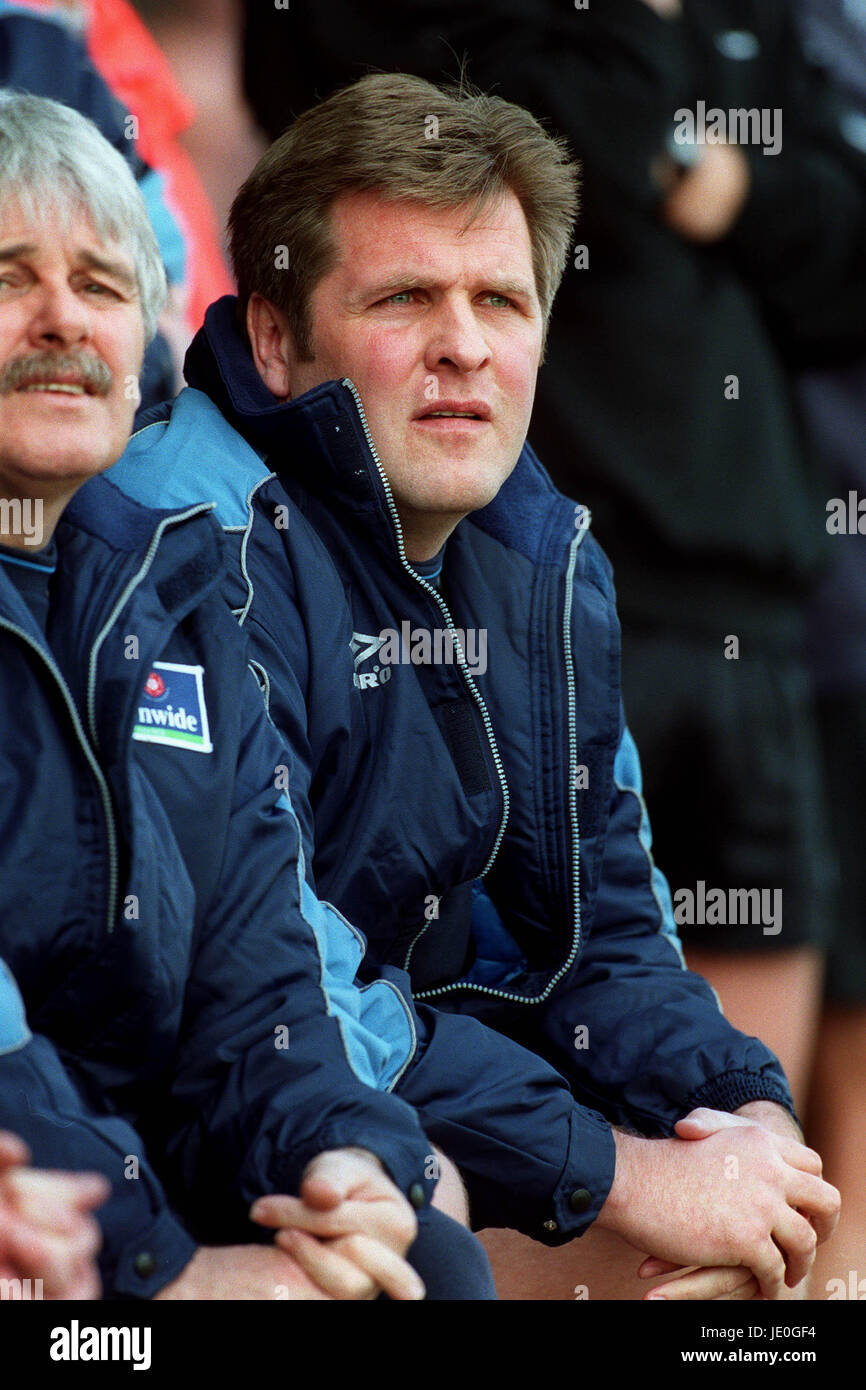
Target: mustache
39, 367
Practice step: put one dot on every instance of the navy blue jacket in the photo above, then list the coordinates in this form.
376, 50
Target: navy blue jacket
487, 833
173, 998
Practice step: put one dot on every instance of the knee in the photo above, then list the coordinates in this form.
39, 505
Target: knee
450, 1194
451, 1261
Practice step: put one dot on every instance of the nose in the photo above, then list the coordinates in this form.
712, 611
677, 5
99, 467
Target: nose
456, 338
61, 318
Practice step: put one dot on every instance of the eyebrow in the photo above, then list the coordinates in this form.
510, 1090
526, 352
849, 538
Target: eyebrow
20, 248
116, 269
411, 280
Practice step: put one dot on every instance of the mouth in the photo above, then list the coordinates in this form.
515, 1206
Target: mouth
62, 388
461, 411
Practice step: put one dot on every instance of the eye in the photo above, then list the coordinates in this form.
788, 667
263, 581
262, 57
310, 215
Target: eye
401, 297
96, 287
503, 301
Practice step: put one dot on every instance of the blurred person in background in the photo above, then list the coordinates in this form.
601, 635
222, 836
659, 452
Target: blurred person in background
833, 399
666, 404
202, 41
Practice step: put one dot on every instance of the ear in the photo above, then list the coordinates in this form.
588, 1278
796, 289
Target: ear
272, 345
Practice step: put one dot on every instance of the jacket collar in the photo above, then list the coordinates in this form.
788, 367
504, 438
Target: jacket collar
318, 439
105, 538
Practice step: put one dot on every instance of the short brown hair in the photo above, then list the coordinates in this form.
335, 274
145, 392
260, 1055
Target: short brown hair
408, 140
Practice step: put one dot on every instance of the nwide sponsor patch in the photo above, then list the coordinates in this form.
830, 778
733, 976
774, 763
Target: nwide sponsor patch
171, 708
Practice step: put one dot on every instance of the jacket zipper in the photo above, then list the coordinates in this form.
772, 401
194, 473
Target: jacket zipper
572, 808
461, 659
105, 795
48, 660
572, 734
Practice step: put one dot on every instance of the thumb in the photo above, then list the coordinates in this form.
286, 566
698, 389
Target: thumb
701, 1123
13, 1150
328, 1180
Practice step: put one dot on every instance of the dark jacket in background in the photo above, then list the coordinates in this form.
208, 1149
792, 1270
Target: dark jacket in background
833, 398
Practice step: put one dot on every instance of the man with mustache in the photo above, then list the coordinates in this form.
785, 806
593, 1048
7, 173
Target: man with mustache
359, 417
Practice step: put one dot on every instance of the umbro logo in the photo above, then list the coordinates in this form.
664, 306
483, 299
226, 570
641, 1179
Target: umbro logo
364, 646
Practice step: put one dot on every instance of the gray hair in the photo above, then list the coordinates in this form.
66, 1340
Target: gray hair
54, 159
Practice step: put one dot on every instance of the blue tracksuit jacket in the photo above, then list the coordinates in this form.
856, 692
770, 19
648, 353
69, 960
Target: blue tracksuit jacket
172, 993
485, 831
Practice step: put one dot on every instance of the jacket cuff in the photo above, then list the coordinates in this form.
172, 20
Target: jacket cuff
145, 1264
586, 1179
411, 1167
732, 1089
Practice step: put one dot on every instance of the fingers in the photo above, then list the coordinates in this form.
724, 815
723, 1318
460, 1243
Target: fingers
796, 1238
52, 1200
394, 1223
747, 1292
768, 1267
652, 1268
35, 1255
336, 1276
86, 1191
353, 1267
817, 1201
730, 1282
348, 1217
12, 1149
799, 1156
47, 1233
58, 1260
701, 1123
320, 1194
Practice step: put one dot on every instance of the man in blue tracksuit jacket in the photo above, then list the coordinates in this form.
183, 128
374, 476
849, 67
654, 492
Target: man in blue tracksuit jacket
467, 790
178, 1011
